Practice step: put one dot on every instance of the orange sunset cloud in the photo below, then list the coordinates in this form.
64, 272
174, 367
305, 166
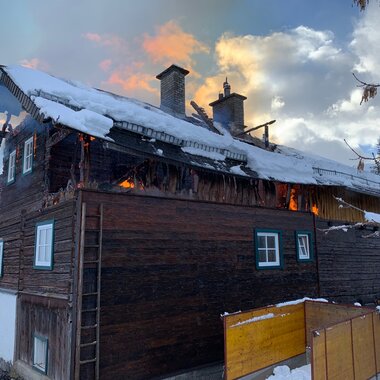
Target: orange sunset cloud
171, 44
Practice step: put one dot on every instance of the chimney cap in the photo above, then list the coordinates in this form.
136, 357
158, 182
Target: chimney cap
234, 94
171, 68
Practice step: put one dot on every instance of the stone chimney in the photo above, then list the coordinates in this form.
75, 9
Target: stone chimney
173, 90
229, 110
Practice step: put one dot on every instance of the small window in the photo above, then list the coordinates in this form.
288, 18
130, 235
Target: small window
268, 250
12, 167
304, 246
40, 353
1, 257
28, 156
43, 257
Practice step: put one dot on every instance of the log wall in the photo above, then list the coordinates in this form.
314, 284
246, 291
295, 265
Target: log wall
348, 265
26, 192
171, 267
50, 318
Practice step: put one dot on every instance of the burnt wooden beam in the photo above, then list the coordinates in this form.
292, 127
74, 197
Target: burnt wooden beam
58, 136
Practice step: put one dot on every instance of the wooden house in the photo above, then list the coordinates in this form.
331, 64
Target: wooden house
127, 229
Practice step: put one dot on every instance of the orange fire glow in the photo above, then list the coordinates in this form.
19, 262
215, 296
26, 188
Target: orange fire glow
127, 184
293, 204
314, 209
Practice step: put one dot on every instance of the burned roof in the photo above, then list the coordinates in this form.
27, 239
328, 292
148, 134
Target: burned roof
140, 126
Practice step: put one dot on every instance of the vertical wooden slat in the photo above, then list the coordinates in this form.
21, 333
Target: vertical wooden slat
339, 352
79, 291
99, 279
363, 348
318, 355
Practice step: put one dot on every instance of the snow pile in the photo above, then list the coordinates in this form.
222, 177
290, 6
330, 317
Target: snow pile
97, 111
283, 372
372, 217
84, 120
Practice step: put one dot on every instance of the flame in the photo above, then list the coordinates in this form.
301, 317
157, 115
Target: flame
92, 138
127, 184
314, 209
293, 204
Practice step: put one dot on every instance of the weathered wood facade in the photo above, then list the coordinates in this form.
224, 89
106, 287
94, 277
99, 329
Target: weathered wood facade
149, 250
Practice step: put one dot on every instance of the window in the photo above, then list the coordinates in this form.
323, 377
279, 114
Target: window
40, 353
304, 245
43, 257
12, 167
268, 249
1, 257
28, 156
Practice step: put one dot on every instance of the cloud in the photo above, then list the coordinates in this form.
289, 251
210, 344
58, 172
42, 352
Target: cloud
112, 41
277, 103
171, 44
365, 42
131, 78
105, 64
34, 63
302, 78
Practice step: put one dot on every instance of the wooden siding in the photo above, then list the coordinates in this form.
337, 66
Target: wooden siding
27, 191
50, 318
57, 281
348, 265
171, 267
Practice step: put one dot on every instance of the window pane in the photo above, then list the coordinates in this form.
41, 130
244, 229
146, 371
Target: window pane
262, 257
40, 352
261, 241
271, 241
303, 246
272, 256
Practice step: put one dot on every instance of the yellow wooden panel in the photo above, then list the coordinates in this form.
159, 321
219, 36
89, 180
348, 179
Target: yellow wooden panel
261, 337
339, 352
323, 314
376, 326
318, 356
364, 350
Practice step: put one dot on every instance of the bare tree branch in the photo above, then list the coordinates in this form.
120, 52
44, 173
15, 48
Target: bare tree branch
369, 89
345, 227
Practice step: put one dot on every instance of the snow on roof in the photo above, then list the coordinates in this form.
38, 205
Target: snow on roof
94, 112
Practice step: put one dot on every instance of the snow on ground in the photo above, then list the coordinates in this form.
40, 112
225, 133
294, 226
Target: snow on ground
99, 109
283, 372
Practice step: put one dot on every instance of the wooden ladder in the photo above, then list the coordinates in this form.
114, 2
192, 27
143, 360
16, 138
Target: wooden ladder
89, 286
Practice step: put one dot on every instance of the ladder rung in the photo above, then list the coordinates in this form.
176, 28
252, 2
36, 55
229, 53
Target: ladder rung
87, 361
89, 344
89, 310
91, 262
89, 327
89, 294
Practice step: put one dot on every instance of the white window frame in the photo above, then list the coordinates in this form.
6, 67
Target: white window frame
40, 353
304, 247
44, 245
267, 250
1, 256
12, 167
28, 156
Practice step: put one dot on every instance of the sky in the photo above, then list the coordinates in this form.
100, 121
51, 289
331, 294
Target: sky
293, 59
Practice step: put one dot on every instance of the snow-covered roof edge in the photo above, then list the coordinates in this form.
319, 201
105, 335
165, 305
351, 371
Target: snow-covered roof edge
95, 112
